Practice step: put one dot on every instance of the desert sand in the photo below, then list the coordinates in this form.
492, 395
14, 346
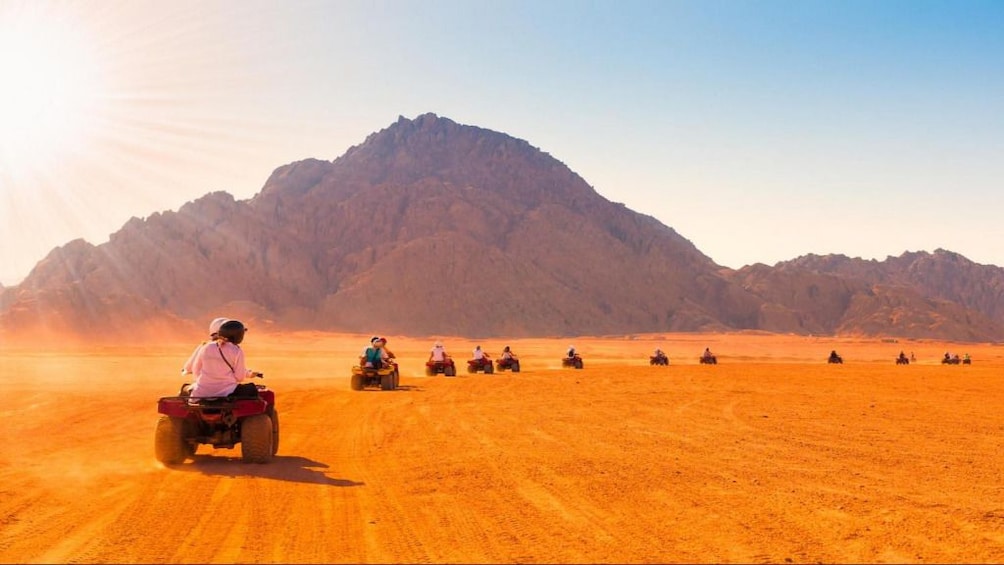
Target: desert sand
770, 456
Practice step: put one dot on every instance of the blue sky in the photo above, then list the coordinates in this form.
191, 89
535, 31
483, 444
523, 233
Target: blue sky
759, 130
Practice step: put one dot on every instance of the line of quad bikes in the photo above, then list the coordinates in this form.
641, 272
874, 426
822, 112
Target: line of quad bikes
253, 421
904, 360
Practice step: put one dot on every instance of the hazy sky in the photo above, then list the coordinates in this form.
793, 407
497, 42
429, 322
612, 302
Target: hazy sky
758, 130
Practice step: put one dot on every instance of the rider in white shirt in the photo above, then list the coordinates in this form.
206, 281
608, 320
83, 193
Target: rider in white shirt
438, 352
478, 353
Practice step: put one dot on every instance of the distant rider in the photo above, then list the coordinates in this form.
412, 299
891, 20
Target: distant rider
707, 353
438, 353
507, 354
386, 354
571, 352
834, 358
373, 356
479, 355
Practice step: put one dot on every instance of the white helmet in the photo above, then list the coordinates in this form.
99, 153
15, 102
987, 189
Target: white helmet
214, 326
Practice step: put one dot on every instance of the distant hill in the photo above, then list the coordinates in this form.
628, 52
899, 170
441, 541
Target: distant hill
939, 295
432, 227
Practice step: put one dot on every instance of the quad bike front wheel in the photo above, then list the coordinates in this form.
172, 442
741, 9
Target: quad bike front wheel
256, 439
450, 371
578, 364
489, 369
515, 366
169, 444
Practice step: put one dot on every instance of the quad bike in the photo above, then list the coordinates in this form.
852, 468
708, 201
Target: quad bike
512, 364
658, 360
387, 377
836, 360
902, 360
712, 360
575, 361
483, 364
223, 422
446, 368
951, 361
967, 361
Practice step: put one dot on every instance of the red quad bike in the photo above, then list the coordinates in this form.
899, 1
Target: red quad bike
446, 368
713, 360
572, 361
224, 422
387, 377
658, 360
503, 364
483, 364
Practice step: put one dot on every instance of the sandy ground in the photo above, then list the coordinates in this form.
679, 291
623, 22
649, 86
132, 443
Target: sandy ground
770, 456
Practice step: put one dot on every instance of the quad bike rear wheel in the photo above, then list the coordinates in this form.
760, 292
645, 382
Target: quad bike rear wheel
515, 366
387, 382
357, 381
429, 371
169, 444
471, 369
275, 431
256, 439
578, 363
450, 371
489, 369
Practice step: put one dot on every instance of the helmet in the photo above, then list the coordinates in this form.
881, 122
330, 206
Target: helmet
214, 326
232, 331
477, 347
506, 348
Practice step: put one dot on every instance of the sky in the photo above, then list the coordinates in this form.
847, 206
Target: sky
758, 130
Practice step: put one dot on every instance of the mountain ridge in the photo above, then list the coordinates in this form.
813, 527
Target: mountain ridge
433, 227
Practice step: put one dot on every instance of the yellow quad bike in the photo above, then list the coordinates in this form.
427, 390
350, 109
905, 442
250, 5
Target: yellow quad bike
386, 377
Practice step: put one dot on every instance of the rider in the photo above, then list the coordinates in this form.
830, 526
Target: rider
373, 356
659, 354
479, 354
214, 328
833, 355
386, 354
507, 354
438, 353
902, 356
219, 366
707, 353
571, 352
966, 358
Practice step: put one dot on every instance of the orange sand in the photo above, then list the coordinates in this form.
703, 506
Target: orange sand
770, 456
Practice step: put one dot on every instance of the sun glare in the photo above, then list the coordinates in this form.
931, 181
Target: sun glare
49, 88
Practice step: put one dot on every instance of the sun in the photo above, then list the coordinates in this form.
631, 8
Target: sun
50, 84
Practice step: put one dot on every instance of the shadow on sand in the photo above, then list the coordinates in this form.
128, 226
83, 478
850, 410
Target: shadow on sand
289, 468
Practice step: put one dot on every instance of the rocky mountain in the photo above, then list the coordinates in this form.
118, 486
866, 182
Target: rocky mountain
940, 295
432, 227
